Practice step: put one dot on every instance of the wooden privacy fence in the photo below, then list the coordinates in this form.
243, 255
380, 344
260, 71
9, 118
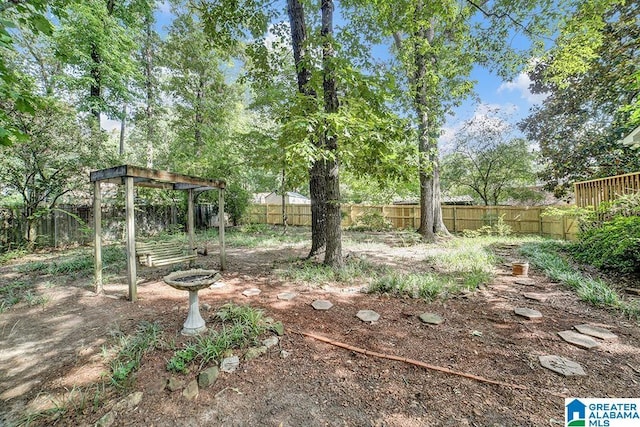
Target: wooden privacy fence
522, 220
596, 191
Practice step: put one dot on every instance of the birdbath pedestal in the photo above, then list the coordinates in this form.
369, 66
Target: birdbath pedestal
192, 281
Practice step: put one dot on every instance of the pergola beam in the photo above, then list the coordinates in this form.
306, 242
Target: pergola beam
131, 176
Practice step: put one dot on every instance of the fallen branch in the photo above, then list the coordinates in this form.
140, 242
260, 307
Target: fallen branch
411, 361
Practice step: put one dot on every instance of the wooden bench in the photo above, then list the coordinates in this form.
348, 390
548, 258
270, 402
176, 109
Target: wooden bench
157, 254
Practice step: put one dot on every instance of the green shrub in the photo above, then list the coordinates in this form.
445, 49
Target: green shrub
130, 349
372, 221
615, 245
239, 326
496, 227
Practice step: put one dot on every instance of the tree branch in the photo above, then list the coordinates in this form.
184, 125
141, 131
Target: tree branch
500, 16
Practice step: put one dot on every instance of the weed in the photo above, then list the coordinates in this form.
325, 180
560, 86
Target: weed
16, 292
78, 400
353, 269
130, 349
548, 256
240, 326
11, 255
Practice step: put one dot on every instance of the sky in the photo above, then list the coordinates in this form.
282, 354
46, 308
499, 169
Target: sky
512, 98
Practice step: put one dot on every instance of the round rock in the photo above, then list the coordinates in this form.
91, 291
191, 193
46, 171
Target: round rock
230, 364
321, 304
368, 316
431, 318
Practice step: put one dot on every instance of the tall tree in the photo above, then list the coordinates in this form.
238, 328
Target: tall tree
50, 162
436, 53
490, 162
333, 254
16, 14
96, 39
591, 78
204, 104
146, 113
317, 174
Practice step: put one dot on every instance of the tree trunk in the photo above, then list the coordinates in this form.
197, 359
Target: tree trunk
428, 166
95, 91
148, 77
438, 223
283, 190
199, 117
333, 253
123, 128
317, 192
317, 173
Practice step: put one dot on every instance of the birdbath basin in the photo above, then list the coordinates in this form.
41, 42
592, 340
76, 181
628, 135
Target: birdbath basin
192, 281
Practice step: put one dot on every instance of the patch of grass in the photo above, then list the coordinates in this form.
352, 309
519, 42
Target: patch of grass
261, 236
129, 351
11, 255
312, 272
462, 255
460, 264
78, 400
549, 256
113, 258
428, 286
240, 326
17, 292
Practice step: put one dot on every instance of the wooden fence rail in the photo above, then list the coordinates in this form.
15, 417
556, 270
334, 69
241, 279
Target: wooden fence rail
522, 220
596, 191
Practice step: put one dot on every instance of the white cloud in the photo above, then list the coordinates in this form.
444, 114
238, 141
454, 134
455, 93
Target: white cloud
521, 85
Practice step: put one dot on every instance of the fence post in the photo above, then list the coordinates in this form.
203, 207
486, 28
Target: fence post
455, 218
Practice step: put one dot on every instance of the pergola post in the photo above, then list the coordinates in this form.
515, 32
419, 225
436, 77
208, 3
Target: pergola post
133, 175
190, 222
131, 239
221, 220
97, 236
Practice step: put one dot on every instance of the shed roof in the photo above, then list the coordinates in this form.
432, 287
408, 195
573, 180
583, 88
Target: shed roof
145, 177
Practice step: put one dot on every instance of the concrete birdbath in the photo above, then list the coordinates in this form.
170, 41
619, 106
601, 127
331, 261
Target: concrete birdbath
192, 281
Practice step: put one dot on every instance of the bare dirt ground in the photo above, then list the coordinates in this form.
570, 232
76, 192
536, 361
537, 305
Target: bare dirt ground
48, 351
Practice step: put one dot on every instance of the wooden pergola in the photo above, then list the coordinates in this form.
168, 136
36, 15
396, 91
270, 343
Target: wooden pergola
131, 176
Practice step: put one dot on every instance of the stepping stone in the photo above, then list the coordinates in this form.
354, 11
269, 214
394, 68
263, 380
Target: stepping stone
579, 340
321, 304
528, 313
536, 297
562, 366
230, 364
597, 332
368, 316
218, 285
251, 292
287, 296
431, 318
525, 282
